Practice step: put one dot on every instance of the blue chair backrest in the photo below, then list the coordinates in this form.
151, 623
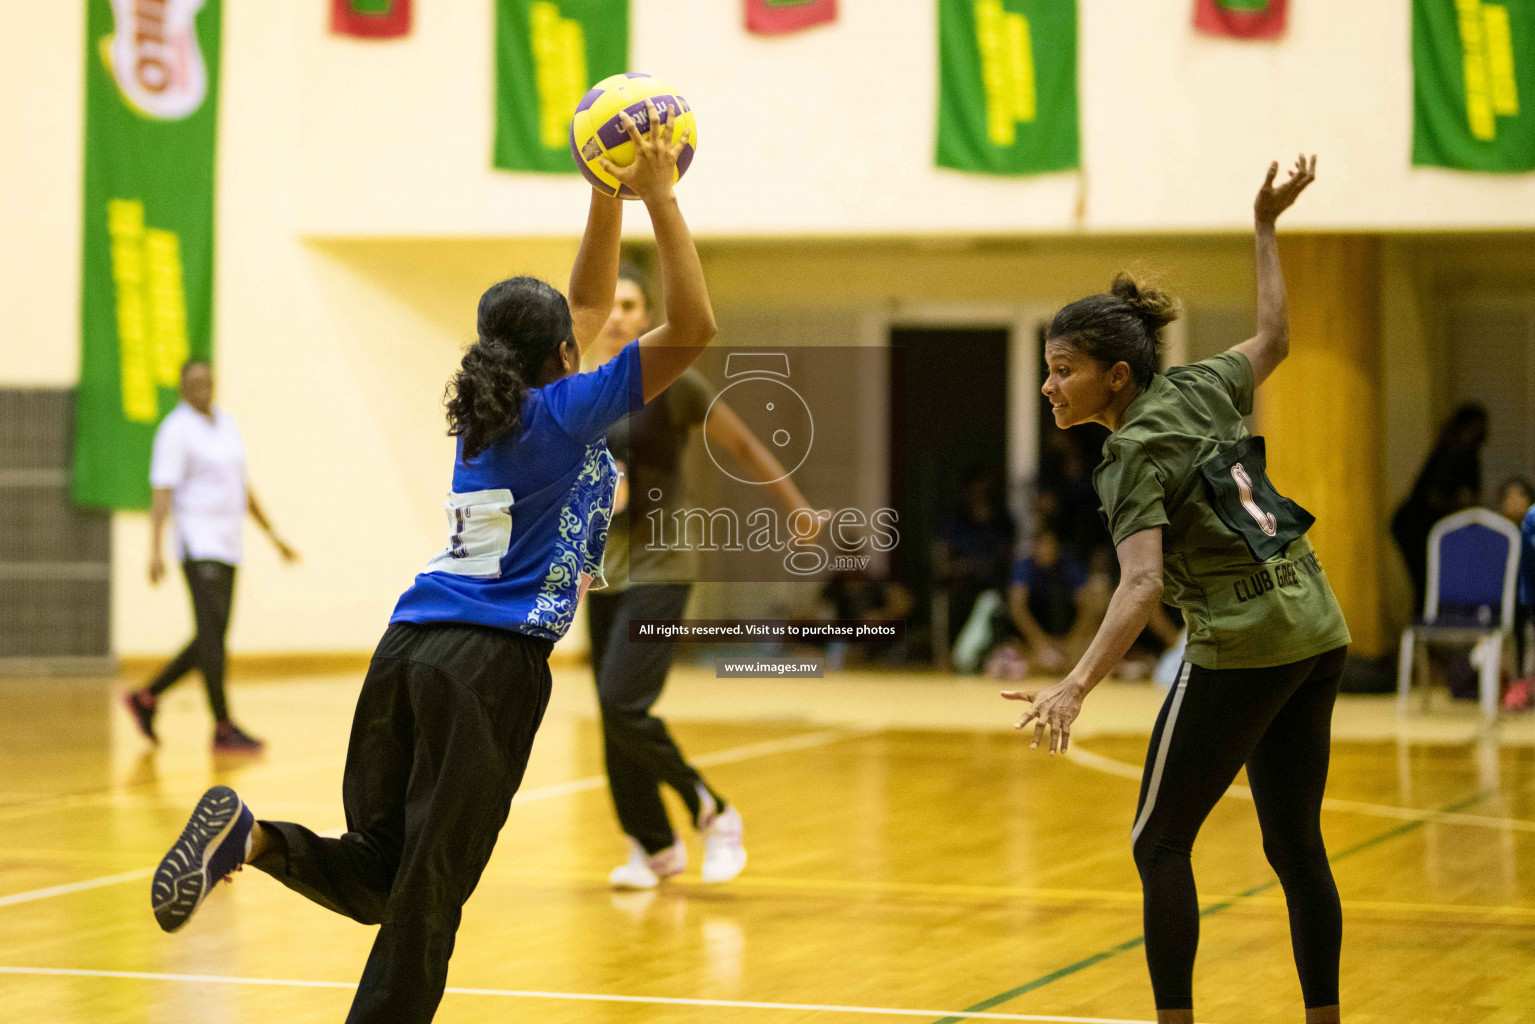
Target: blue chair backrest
1473, 561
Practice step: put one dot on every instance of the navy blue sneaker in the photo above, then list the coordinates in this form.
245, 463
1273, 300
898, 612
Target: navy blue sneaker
211, 847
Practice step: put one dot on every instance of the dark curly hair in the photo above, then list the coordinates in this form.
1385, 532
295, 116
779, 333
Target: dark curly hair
1123, 325
522, 324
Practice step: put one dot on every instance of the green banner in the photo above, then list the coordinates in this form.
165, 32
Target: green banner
1474, 84
146, 291
1007, 100
548, 54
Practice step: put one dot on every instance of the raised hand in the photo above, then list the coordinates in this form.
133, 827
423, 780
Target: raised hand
654, 169
1271, 201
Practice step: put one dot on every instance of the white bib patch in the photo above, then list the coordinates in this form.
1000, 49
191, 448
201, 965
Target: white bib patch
479, 534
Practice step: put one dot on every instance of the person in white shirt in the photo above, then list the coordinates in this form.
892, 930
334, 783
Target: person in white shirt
198, 475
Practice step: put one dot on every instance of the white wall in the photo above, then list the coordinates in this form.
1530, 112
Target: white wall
331, 352
41, 127
831, 131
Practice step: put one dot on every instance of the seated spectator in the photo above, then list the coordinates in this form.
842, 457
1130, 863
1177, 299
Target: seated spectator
1055, 604
1450, 480
1515, 498
974, 545
1066, 503
853, 596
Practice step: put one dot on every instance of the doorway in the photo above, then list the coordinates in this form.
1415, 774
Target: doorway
948, 422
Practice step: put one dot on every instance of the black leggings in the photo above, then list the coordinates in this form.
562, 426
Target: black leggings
441, 737
1277, 721
213, 588
641, 754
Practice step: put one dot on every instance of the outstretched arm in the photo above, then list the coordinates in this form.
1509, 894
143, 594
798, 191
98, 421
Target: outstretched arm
594, 276
1139, 594
1268, 348
671, 348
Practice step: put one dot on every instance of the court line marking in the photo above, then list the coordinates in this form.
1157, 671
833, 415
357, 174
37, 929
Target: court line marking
1468, 915
789, 744
1216, 908
731, 755
64, 890
734, 1004
1124, 770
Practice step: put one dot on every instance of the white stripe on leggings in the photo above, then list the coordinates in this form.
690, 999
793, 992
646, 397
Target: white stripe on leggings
1161, 761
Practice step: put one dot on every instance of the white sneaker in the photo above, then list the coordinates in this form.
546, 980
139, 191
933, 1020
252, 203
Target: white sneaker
724, 854
645, 871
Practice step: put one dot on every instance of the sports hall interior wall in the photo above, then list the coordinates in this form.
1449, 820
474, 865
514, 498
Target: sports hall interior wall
340, 312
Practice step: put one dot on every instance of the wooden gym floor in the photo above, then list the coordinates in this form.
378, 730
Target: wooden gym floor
911, 859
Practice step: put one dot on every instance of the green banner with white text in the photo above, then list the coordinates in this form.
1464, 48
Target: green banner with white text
1007, 100
1473, 70
146, 290
548, 54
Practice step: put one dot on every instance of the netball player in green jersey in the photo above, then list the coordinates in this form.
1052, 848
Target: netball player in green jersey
1196, 521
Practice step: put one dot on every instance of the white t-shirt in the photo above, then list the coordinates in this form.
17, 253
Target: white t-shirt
203, 461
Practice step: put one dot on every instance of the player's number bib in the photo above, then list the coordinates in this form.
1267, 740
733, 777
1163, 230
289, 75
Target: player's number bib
479, 534
1240, 492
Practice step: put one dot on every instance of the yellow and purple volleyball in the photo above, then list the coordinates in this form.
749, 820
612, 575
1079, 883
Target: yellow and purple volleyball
596, 130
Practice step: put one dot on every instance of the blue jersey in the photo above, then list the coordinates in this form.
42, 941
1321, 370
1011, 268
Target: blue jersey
528, 517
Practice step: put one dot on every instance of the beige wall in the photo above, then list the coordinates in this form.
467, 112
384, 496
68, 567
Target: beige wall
40, 177
831, 131
358, 222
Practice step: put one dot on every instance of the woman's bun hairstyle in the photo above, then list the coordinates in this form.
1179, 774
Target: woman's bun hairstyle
1123, 325
1155, 307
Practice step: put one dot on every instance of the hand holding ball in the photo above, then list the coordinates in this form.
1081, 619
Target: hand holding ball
601, 131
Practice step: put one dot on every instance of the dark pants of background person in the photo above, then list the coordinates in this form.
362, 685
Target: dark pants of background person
213, 589
1277, 721
641, 754
440, 739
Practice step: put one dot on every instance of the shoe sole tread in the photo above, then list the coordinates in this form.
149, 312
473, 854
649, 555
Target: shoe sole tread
181, 881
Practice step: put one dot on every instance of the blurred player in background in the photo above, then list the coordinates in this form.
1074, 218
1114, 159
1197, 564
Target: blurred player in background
460, 681
1190, 508
653, 582
198, 475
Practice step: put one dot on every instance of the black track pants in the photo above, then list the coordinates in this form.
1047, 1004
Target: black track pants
213, 587
1278, 722
441, 737
641, 754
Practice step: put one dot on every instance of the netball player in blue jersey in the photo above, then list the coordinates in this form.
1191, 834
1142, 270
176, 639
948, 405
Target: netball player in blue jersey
459, 683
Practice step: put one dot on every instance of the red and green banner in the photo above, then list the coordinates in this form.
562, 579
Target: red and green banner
146, 290
773, 17
1241, 19
548, 54
370, 19
1473, 70
1007, 99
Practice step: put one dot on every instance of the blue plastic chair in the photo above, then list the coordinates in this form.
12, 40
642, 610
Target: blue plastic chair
1473, 566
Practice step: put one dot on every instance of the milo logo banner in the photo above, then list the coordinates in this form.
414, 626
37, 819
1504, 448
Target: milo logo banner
146, 304
548, 54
